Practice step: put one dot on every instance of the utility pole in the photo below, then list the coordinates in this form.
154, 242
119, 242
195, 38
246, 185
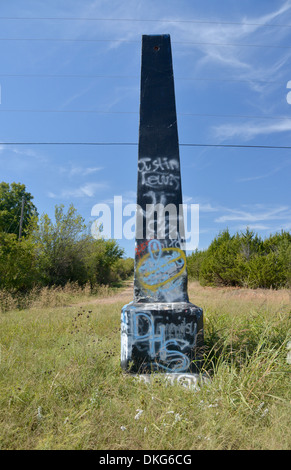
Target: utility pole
21, 217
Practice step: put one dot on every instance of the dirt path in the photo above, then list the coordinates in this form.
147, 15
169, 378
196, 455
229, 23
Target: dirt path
126, 295
196, 291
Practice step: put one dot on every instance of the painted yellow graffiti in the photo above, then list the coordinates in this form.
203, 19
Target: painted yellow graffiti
160, 266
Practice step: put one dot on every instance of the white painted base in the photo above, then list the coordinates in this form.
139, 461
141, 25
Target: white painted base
190, 381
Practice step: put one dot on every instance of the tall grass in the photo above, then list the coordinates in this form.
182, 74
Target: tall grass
61, 386
54, 296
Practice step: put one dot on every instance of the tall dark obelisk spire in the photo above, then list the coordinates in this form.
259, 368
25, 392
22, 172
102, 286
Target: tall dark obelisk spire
159, 180
160, 329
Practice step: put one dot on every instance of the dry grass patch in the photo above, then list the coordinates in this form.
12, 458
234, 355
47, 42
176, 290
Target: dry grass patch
61, 386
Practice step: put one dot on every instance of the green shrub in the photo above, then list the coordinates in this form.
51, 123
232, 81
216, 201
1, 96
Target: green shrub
18, 265
244, 259
58, 252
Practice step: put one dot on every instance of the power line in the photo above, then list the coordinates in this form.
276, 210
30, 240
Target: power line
70, 40
285, 147
28, 75
231, 44
229, 80
87, 40
238, 146
235, 116
98, 111
66, 111
44, 75
135, 20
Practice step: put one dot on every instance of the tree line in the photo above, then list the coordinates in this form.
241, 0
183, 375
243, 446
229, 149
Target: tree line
56, 252
52, 252
244, 260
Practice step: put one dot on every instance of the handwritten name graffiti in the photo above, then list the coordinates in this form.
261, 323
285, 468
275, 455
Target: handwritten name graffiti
159, 172
159, 164
179, 331
160, 265
166, 345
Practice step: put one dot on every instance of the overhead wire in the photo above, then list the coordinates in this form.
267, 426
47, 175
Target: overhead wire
43, 75
98, 111
285, 147
88, 40
145, 20
181, 78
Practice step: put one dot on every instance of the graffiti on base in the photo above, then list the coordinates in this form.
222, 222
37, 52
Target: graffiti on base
165, 344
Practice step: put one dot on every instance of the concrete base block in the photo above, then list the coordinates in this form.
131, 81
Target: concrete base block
161, 337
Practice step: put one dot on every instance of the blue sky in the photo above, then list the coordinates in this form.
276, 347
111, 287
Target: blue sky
69, 82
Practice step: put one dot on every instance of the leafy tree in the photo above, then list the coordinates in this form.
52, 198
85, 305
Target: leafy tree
59, 247
104, 256
245, 259
124, 268
194, 263
250, 244
10, 208
222, 265
18, 270
66, 253
266, 271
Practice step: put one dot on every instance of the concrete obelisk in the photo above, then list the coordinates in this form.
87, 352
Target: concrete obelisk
161, 331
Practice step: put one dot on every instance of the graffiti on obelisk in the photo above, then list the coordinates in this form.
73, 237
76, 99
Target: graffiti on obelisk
160, 330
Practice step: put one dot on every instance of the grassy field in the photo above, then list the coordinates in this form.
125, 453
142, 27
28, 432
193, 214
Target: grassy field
61, 386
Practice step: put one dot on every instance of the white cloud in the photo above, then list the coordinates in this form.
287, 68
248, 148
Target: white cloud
128, 197
256, 213
204, 205
265, 19
90, 189
255, 216
264, 175
90, 170
81, 171
187, 199
251, 63
253, 227
18, 152
76, 96
250, 129
86, 190
28, 152
207, 208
